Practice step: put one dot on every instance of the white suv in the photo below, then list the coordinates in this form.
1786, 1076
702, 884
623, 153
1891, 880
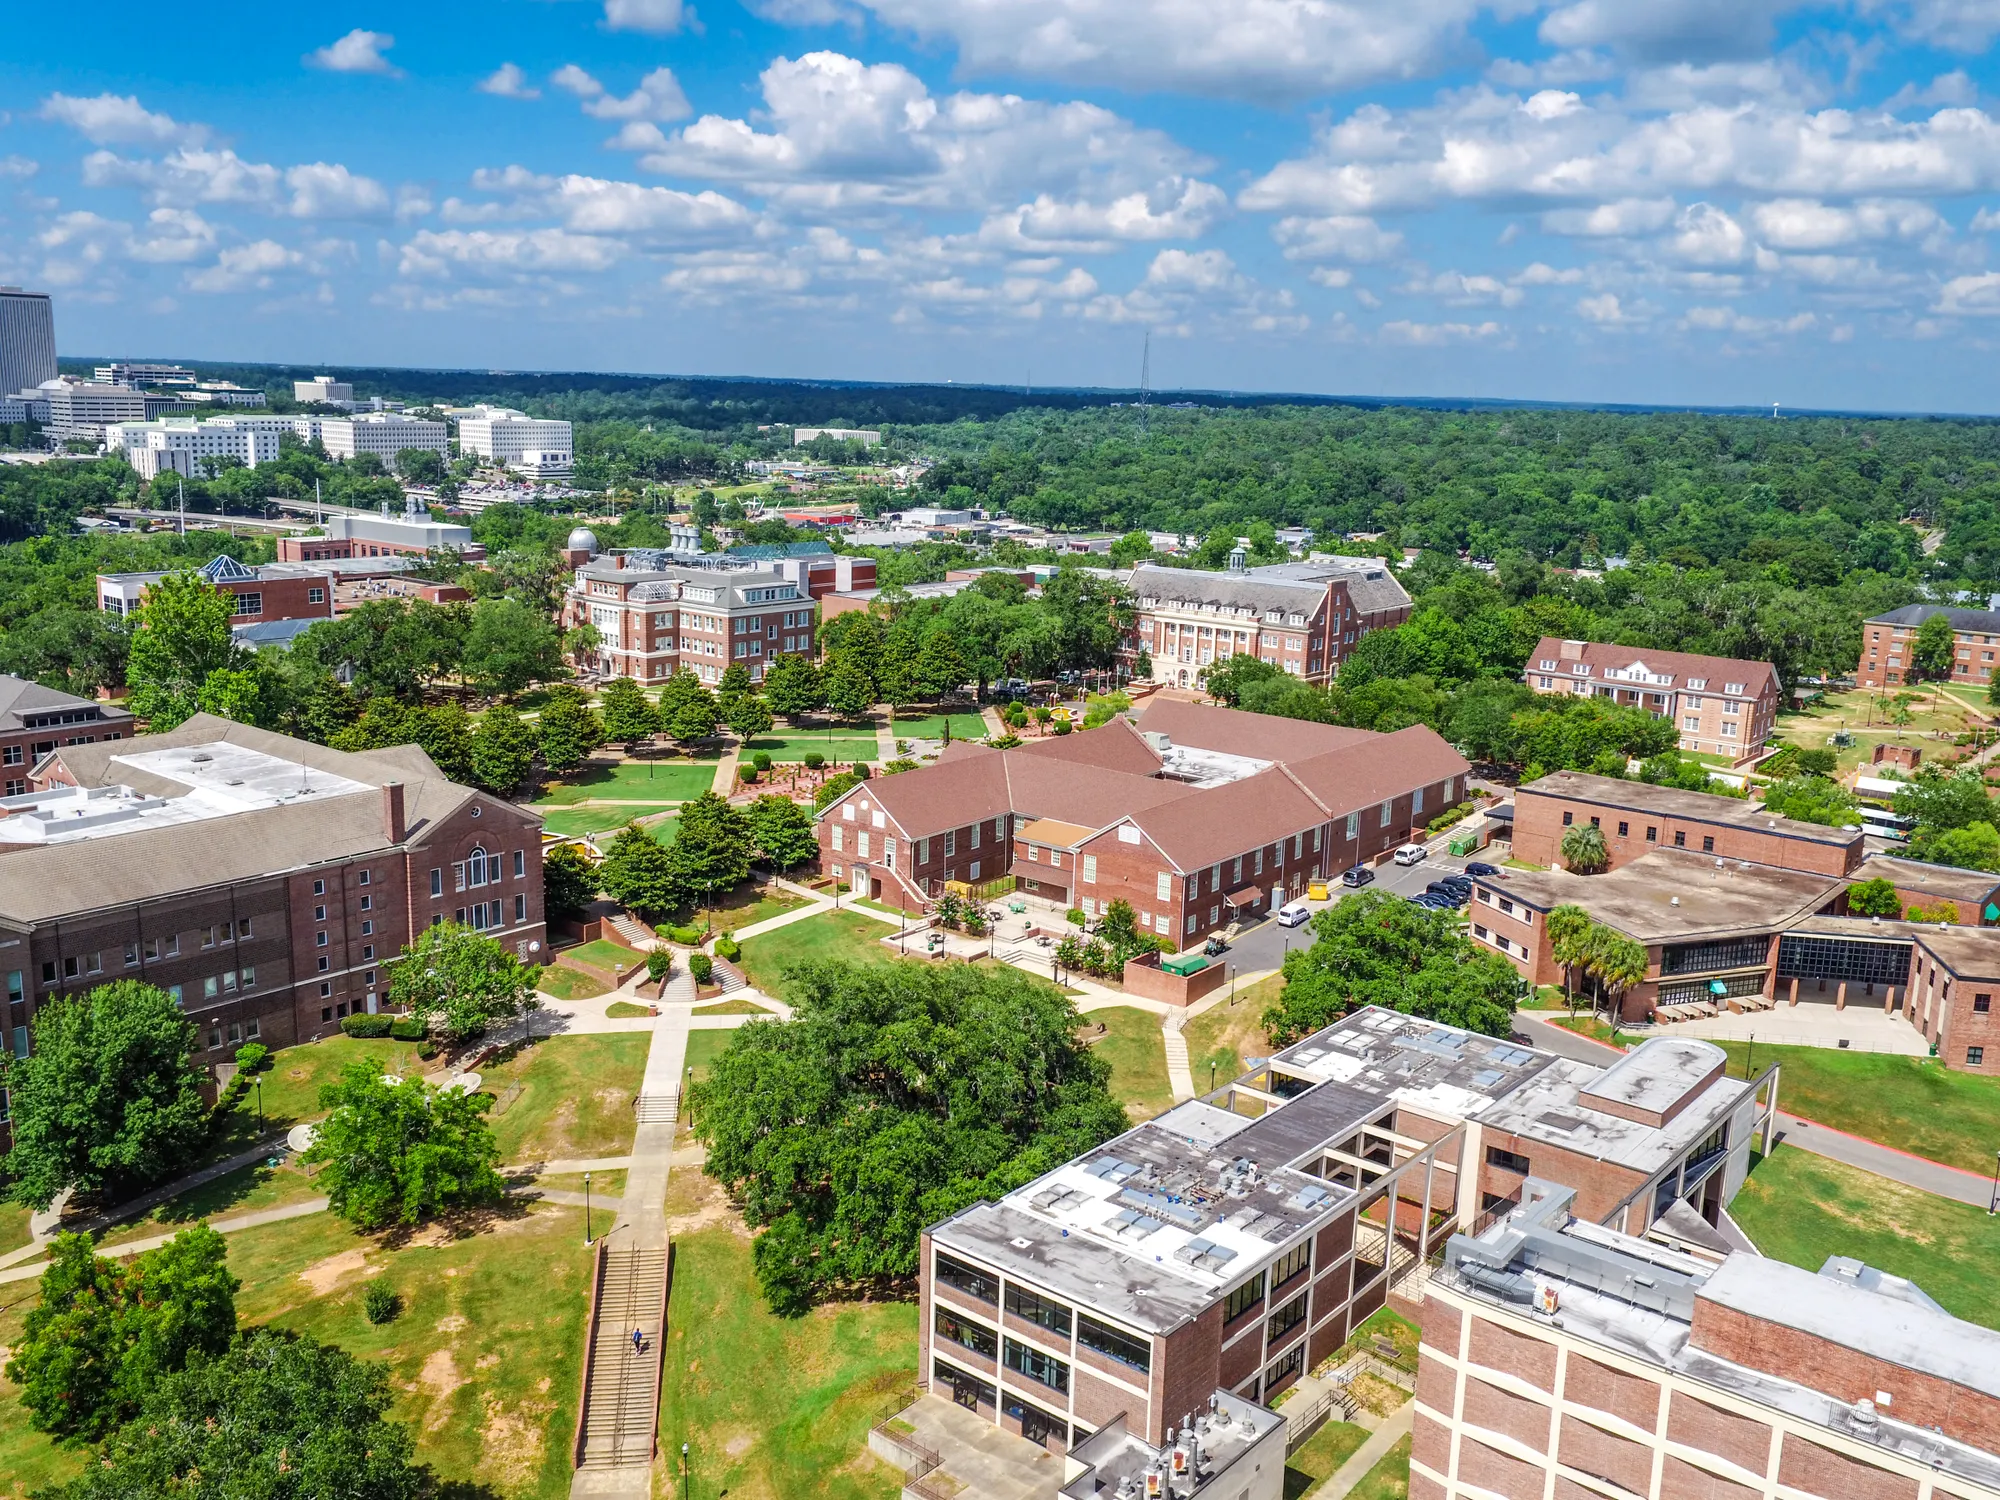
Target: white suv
1411, 854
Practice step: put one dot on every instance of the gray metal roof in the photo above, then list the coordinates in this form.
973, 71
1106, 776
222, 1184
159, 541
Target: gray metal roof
1961, 619
18, 696
1227, 590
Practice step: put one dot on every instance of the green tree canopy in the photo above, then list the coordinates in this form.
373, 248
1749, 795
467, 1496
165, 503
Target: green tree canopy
897, 1094
458, 982
569, 881
711, 848
276, 1416
628, 714
783, 831
1583, 848
503, 750
1933, 652
1377, 949
1812, 799
1874, 898
637, 872
107, 1099
401, 1153
509, 646
182, 638
792, 686
103, 1334
570, 728
687, 709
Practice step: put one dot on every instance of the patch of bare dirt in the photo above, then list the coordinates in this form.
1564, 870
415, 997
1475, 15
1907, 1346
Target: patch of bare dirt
323, 1276
513, 1442
451, 1323
440, 1377
739, 1445
486, 1362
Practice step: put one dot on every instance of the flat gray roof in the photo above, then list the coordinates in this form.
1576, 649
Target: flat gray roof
1554, 1107
1658, 1073
1673, 802
1426, 1064
1675, 895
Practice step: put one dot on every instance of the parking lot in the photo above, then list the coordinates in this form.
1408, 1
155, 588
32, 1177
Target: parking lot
1265, 945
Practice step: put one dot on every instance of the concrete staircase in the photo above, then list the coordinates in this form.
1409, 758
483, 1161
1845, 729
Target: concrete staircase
729, 976
622, 1405
635, 933
657, 1109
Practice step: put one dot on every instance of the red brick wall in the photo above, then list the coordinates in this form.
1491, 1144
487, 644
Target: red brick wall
1539, 827
1184, 1370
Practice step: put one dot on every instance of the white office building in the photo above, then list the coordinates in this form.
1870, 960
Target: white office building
384, 434
325, 390
867, 437
537, 447
81, 410
181, 445
127, 372
225, 393
27, 340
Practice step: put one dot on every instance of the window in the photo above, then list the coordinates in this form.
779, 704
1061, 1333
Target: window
1037, 1309
12, 755
367, 902
1680, 838
1568, 818
1652, 833
963, 1331
368, 929
1286, 1318
1090, 869
975, 1284
520, 908
975, 835
250, 980
1114, 1343
243, 928
1163, 887
1506, 1161
1285, 1366
1388, 813
1982, 1003
1975, 1056
319, 940
1291, 1263
950, 843
315, 596
248, 604
1353, 825
1624, 828
319, 887
1243, 1298
437, 883
1708, 844
1043, 1369
520, 864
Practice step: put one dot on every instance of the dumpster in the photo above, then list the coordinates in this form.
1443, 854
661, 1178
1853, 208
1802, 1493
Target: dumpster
1184, 964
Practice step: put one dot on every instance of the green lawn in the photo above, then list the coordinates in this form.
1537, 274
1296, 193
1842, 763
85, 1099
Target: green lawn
1227, 1036
742, 907
13, 1226
787, 747
294, 1076
625, 1010
483, 1363
832, 934
1137, 1053
1323, 1453
573, 823
602, 953
702, 1050
732, 1008
246, 1190
772, 1408
1911, 1103
963, 727
647, 781
575, 1098
569, 984
1802, 1208
1389, 1479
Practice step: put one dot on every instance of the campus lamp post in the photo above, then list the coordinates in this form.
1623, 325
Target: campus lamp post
1993, 1203
586, 1210
258, 1083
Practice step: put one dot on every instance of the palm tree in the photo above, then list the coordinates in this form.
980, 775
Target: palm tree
1569, 937
1619, 963
1583, 849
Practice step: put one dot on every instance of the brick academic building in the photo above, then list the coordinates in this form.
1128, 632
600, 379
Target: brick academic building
264, 881
1194, 815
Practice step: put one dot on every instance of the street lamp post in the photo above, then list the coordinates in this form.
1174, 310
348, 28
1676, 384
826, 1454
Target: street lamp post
1750, 1057
258, 1083
586, 1210
1993, 1203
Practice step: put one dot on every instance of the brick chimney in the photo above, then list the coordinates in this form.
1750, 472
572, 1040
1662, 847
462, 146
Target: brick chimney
393, 826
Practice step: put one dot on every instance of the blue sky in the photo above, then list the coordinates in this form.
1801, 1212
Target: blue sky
1703, 201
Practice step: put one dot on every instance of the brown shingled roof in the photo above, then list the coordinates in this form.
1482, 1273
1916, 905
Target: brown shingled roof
1680, 665
1116, 746
1233, 732
1380, 767
1221, 822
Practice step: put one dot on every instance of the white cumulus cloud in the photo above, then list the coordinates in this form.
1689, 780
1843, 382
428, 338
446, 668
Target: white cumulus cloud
658, 96
359, 51
508, 82
118, 120
244, 267
653, 17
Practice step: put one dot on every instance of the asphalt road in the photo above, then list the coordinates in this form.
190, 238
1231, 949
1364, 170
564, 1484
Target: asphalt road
1264, 946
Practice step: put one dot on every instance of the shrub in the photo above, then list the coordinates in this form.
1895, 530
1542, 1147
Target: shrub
380, 1304
407, 1029
366, 1026
746, 774
427, 1050
686, 936
1075, 916
861, 771
1005, 742
702, 967
813, 760
896, 767
975, 922
761, 760
659, 964
252, 1057
727, 947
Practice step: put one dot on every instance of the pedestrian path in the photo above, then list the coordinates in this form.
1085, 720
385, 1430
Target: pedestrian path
1393, 1430
1178, 1072
153, 1242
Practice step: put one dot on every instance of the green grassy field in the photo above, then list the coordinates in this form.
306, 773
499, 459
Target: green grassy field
573, 823
1857, 713
602, 953
744, 907
632, 781
1323, 1453
244, 1191
484, 1361
294, 1076
770, 1408
840, 747
1137, 1053
1802, 1208
569, 984
703, 1048
1911, 1103
575, 1099
1228, 1035
964, 726
13, 1226
732, 1008
1389, 1479
833, 934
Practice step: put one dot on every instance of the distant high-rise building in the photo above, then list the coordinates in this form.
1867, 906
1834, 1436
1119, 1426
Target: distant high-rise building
27, 340
325, 390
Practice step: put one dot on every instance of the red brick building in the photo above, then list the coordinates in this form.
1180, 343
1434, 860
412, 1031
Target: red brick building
1720, 705
1194, 815
267, 882
1637, 819
1556, 1358
656, 621
1889, 643
259, 596
35, 720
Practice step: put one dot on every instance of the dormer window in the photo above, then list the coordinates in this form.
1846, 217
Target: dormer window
1732, 687
1697, 684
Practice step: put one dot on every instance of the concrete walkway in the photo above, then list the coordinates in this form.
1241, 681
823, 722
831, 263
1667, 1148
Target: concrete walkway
1178, 1073
1395, 1427
725, 771
153, 1242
